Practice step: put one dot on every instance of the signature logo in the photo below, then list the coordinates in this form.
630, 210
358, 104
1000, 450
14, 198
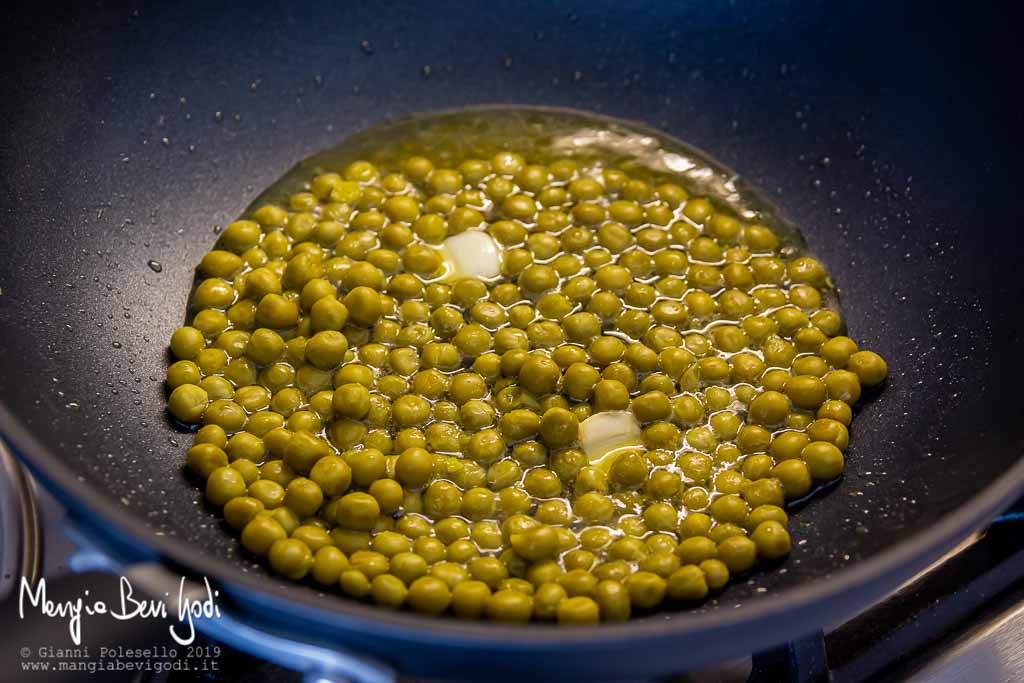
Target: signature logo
190, 607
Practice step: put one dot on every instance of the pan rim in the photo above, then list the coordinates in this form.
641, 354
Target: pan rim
891, 566
873, 576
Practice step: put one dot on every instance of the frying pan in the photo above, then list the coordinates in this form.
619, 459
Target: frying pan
881, 129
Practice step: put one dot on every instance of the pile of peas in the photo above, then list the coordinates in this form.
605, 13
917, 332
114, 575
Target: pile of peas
376, 426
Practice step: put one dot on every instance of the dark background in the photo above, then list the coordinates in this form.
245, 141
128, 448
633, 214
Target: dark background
889, 132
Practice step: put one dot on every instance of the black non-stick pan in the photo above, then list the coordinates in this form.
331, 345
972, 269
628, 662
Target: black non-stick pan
887, 131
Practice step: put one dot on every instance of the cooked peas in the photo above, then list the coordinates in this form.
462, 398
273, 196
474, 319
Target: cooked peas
429, 594
291, 558
687, 583
223, 485
510, 606
824, 460
806, 391
771, 539
469, 599
579, 610
769, 408
388, 591
357, 511
646, 589
869, 367
303, 496
361, 400
261, 533
738, 553
326, 349
354, 583
188, 402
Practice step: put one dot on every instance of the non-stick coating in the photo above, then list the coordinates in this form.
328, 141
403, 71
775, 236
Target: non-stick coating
129, 135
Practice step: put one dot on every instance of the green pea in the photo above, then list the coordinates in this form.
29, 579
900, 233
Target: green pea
326, 349
559, 428
408, 566
832, 431
389, 494
241, 510
275, 311
357, 511
261, 533
610, 394
843, 385
824, 461
410, 411
220, 263
284, 516
687, 584
542, 483
270, 493
539, 375
486, 446
519, 424
629, 469
252, 398
327, 313
535, 544
767, 491
414, 467
869, 367
738, 553
183, 372
303, 496
577, 611
646, 589
367, 465
441, 499
188, 403
351, 400
580, 381
328, 564
593, 507
661, 517
313, 534
213, 435
509, 606
613, 600
696, 549
223, 484
469, 599
364, 305
467, 386
291, 558
354, 583
429, 595
388, 591
303, 451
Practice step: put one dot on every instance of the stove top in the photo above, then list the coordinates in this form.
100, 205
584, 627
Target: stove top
961, 619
